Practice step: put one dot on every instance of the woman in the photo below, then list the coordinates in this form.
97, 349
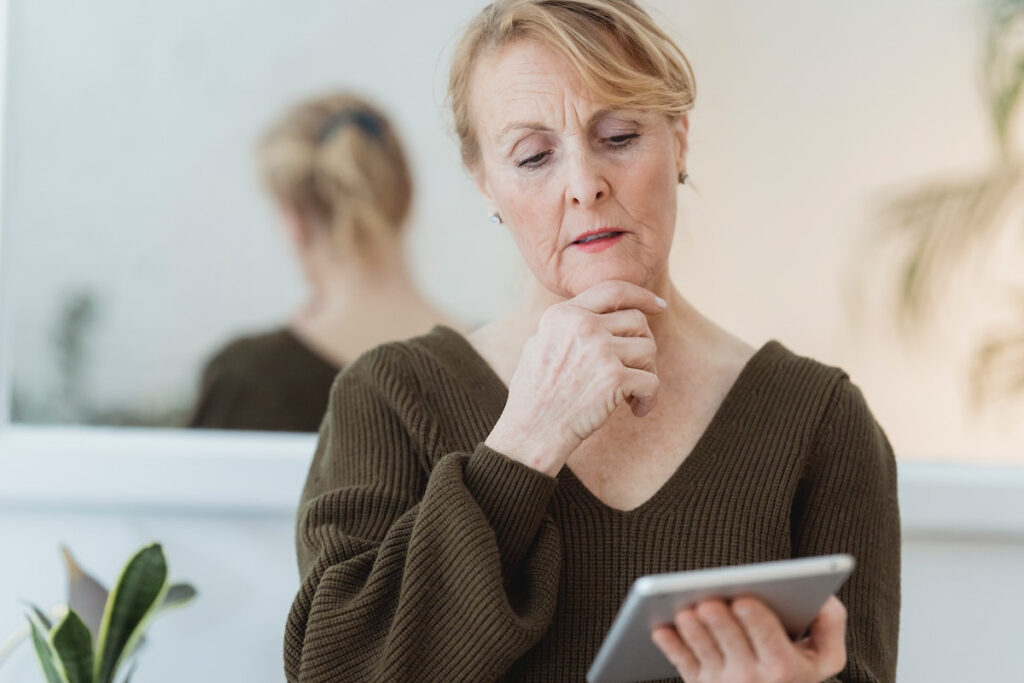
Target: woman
337, 173
478, 506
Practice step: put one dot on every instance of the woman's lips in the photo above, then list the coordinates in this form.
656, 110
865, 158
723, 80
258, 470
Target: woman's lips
598, 242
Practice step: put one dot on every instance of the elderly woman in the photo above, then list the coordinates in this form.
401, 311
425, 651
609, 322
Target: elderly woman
478, 506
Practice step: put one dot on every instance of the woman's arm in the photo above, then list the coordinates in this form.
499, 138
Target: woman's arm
410, 572
846, 503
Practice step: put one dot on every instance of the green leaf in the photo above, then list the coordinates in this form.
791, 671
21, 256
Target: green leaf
46, 654
178, 595
86, 595
73, 643
131, 672
134, 600
43, 617
13, 642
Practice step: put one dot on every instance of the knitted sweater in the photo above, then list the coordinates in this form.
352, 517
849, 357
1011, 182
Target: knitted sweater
269, 382
426, 556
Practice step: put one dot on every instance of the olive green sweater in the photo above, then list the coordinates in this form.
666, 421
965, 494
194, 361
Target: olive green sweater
269, 382
426, 556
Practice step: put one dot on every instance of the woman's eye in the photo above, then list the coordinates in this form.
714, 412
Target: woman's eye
621, 140
534, 161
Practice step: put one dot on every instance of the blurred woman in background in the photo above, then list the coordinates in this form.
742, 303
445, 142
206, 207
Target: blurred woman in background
337, 173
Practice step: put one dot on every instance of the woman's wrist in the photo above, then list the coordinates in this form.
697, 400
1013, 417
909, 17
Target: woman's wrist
534, 451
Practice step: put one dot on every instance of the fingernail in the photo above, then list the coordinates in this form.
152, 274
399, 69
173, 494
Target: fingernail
661, 302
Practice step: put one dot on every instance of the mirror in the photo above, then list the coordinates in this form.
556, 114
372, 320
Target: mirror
139, 237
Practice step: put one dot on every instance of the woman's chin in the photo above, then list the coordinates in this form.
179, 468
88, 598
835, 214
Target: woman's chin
580, 282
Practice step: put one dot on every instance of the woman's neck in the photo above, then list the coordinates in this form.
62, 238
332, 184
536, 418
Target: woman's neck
358, 303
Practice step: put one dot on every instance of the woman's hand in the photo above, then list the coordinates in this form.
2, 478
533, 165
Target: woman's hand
590, 354
746, 642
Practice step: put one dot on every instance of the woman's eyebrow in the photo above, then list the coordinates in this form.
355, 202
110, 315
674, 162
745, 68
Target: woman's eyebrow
631, 115
517, 126
538, 127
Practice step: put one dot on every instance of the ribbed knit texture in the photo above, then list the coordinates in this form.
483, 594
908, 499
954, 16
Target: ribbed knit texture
426, 556
269, 382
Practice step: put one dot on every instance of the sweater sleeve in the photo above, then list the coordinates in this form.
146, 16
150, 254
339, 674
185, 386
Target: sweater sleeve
411, 571
847, 504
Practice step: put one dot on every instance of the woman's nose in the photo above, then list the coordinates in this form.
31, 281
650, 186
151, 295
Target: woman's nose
587, 183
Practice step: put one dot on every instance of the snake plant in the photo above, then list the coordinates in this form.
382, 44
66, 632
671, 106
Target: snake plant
99, 633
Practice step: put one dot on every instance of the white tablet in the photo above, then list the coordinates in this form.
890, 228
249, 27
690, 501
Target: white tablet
794, 589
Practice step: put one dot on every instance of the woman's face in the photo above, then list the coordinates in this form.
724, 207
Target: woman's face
588, 192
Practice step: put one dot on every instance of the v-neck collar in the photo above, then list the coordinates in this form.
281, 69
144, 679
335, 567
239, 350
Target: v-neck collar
731, 409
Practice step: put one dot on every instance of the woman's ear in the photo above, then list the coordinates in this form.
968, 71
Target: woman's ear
480, 178
297, 227
485, 189
680, 132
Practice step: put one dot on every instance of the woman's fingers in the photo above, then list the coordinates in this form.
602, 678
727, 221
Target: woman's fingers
728, 633
616, 295
640, 388
675, 650
698, 639
767, 634
746, 641
629, 322
576, 370
636, 352
823, 653
828, 636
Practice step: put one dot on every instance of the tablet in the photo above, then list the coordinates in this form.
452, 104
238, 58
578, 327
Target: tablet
794, 589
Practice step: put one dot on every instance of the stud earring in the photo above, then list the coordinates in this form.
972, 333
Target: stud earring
495, 218
683, 177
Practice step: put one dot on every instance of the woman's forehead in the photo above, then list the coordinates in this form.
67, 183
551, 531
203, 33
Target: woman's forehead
529, 85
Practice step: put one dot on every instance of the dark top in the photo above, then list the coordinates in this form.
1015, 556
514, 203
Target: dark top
269, 382
426, 556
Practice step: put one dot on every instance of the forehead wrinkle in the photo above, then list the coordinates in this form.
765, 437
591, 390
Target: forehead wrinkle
539, 83
536, 102
574, 108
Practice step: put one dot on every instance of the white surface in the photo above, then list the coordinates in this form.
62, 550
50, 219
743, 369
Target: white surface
6, 304
198, 471
182, 470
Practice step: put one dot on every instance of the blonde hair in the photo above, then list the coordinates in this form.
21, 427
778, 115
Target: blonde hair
337, 161
617, 49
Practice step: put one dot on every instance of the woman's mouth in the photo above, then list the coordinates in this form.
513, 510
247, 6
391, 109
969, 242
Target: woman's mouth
598, 241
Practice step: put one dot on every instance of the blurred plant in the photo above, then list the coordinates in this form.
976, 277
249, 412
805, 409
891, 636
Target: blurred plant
69, 401
78, 316
116, 621
940, 225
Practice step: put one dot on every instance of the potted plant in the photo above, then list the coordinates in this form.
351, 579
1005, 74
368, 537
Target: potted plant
95, 639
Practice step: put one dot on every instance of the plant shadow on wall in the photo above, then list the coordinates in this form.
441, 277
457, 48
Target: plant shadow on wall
68, 400
945, 230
